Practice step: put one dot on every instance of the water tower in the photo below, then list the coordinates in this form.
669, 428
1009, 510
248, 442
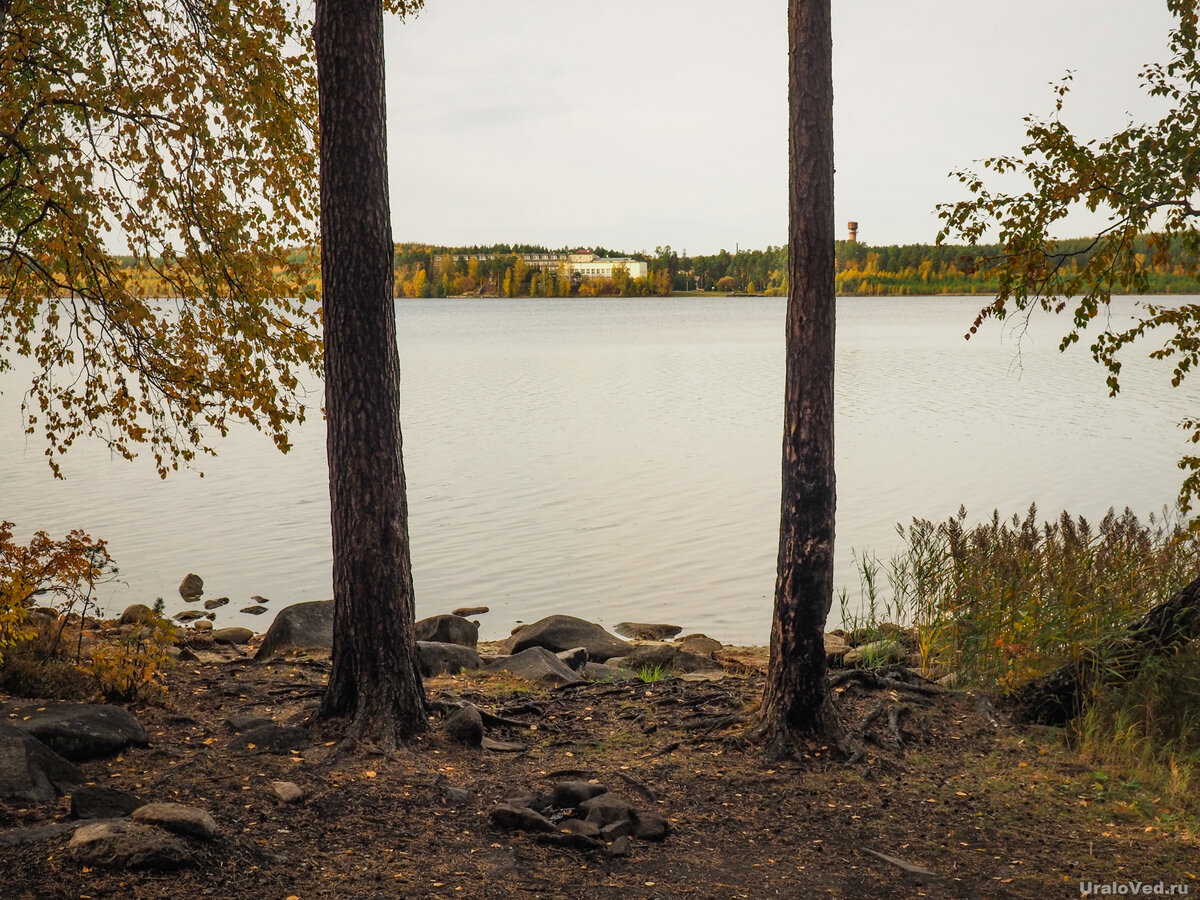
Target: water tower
853, 226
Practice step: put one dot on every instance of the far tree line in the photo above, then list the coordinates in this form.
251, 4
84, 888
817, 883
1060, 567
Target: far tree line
424, 270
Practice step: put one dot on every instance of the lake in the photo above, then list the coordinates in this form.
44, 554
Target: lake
618, 459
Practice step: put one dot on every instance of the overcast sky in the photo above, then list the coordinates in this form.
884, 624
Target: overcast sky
636, 124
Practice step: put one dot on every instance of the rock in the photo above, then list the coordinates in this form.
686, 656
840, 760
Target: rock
247, 722
702, 676
538, 665
254, 610
519, 818
126, 845
191, 587
620, 847
21, 837
437, 658
575, 658
948, 680
179, 818
81, 731
876, 653
216, 604
699, 644
836, 649
272, 738
258, 599
203, 625
602, 672
303, 626
604, 809
137, 614
30, 771
569, 794
448, 630
580, 827
287, 791
93, 802
618, 829
233, 636
648, 826
465, 725
465, 611
667, 658
643, 632
557, 633
188, 615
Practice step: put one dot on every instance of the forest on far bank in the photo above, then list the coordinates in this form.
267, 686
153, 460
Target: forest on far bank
424, 270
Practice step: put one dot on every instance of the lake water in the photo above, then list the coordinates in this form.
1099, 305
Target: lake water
619, 459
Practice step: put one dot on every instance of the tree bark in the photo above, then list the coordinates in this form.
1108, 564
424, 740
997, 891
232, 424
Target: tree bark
795, 700
1061, 695
375, 680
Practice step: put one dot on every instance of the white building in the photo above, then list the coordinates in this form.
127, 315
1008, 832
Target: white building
587, 265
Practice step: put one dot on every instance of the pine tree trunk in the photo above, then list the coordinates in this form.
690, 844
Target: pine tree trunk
795, 701
375, 681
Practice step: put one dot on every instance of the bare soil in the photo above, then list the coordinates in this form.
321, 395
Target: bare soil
965, 806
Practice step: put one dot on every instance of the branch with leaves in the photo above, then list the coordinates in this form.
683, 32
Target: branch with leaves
1145, 180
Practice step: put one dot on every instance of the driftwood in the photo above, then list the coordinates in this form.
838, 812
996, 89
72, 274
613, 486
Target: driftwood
1060, 696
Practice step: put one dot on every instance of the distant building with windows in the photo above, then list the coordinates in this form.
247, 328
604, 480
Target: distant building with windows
586, 265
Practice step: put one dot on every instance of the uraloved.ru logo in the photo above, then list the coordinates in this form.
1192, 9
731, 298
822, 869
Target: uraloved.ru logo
1132, 889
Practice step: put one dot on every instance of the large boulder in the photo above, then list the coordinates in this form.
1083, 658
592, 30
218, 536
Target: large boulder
233, 635
558, 633
445, 659
538, 665
125, 845
448, 630
81, 731
191, 587
97, 802
30, 771
302, 626
646, 631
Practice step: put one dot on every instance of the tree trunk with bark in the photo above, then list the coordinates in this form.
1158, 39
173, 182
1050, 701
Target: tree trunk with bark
796, 699
1061, 695
375, 681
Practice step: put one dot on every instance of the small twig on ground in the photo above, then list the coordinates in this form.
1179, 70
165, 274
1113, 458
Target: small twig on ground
899, 863
670, 748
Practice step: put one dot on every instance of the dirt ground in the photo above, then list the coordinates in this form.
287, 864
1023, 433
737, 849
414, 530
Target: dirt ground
986, 809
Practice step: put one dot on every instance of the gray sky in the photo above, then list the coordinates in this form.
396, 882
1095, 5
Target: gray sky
635, 124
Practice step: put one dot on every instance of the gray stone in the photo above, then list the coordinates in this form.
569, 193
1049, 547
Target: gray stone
836, 649
22, 837
619, 848
618, 829
557, 633
465, 725
604, 672
575, 658
30, 771
699, 644
179, 818
580, 827
876, 653
188, 615
648, 826
465, 611
137, 614
287, 791
438, 658
203, 625
254, 610
605, 809
126, 845
502, 746
448, 629
81, 731
233, 636
667, 658
94, 802
191, 587
537, 665
569, 794
247, 722
216, 604
259, 599
272, 738
643, 631
519, 818
302, 626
